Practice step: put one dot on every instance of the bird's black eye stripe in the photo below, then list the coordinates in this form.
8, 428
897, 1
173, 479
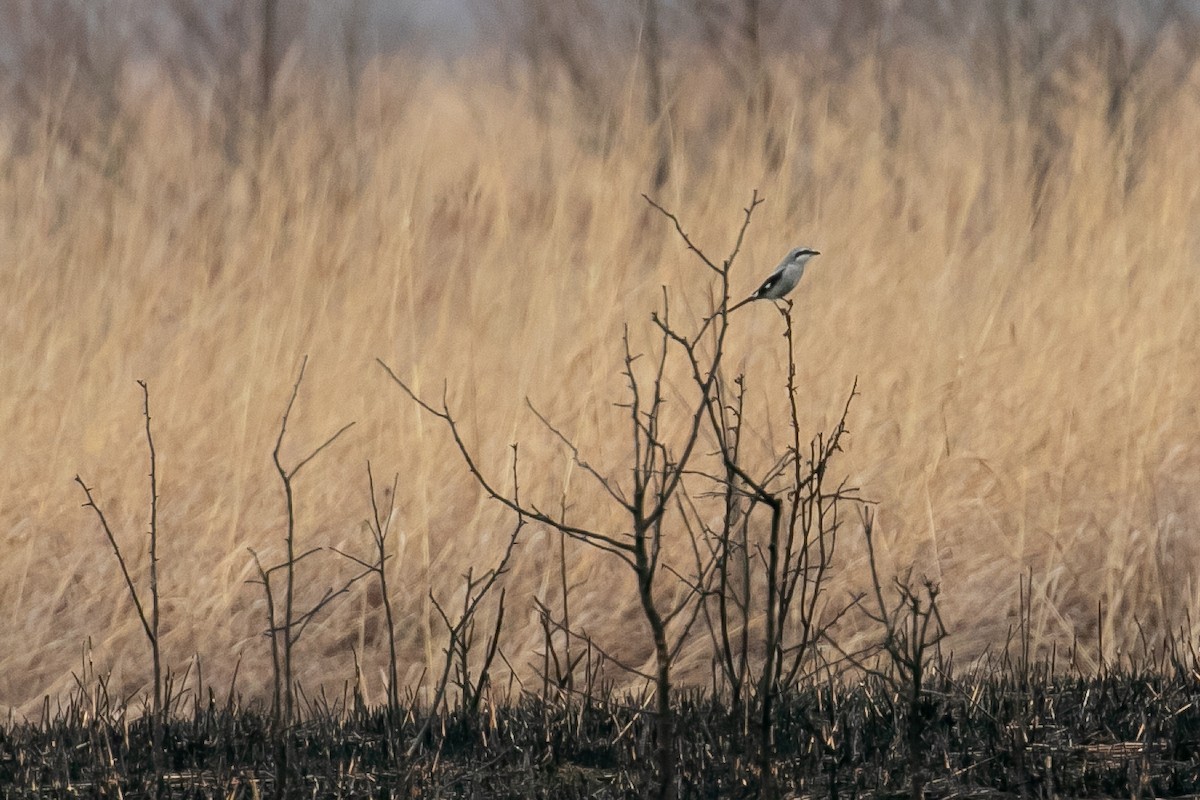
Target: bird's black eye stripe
808, 252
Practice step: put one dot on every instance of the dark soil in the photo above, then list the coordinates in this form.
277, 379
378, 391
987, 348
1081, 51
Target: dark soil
998, 732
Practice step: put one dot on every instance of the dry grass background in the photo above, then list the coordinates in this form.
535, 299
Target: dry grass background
1029, 379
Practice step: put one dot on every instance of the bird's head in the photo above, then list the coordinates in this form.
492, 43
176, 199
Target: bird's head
801, 255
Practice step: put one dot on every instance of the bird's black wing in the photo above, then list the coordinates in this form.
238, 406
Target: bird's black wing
769, 282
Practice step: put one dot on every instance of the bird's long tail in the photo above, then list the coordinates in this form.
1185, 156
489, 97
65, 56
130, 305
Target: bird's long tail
738, 305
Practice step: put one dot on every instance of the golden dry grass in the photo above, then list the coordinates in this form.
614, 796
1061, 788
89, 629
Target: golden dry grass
1028, 389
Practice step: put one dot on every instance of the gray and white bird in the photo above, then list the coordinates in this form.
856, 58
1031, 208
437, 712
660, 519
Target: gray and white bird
784, 277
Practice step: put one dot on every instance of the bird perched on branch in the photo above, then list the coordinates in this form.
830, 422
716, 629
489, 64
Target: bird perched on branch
784, 277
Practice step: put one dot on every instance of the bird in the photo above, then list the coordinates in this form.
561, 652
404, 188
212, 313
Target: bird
783, 278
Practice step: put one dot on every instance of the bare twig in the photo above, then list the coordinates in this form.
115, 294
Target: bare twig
292, 625
380, 525
476, 591
149, 619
